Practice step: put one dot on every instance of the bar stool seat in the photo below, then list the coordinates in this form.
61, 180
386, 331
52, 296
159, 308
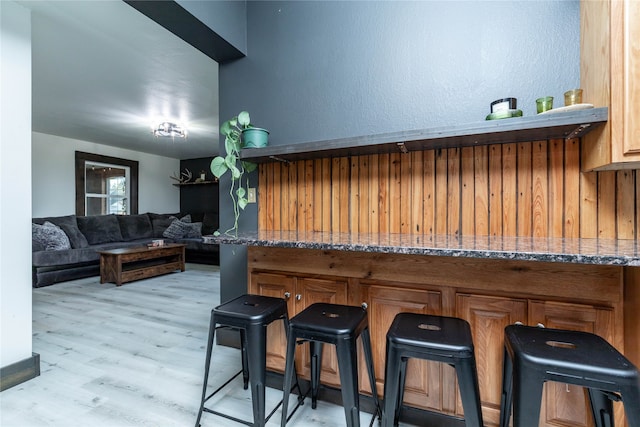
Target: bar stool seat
436, 338
250, 314
534, 355
340, 325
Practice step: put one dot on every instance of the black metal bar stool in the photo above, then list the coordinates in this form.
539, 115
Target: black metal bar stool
250, 314
534, 355
340, 325
436, 338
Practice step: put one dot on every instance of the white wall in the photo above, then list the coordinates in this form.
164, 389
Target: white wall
15, 183
53, 175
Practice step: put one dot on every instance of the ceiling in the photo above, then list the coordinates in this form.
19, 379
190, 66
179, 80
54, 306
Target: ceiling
103, 72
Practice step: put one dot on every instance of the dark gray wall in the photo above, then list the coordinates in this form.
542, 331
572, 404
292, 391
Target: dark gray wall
322, 70
199, 199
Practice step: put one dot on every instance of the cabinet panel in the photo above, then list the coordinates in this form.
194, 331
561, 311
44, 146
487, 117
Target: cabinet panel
310, 291
609, 69
424, 385
488, 316
563, 404
632, 75
274, 285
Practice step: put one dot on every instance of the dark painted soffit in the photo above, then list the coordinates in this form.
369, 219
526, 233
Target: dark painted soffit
176, 19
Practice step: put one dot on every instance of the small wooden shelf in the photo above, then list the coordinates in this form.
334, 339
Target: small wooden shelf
195, 183
520, 129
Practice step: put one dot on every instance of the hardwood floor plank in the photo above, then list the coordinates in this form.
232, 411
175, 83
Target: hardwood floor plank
134, 356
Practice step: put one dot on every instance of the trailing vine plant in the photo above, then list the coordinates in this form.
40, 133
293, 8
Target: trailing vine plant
232, 131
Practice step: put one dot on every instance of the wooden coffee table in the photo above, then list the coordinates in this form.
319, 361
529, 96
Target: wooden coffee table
127, 264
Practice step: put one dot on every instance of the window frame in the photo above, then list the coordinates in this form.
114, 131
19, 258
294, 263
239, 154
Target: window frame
82, 158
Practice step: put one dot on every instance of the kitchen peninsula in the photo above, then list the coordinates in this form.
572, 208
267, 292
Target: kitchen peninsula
476, 222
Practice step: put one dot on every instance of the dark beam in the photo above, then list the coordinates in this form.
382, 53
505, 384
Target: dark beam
183, 24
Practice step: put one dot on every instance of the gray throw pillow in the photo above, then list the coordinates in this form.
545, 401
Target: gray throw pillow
76, 238
50, 236
161, 224
183, 230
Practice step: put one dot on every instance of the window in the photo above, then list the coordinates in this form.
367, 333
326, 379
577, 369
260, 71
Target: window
106, 189
105, 185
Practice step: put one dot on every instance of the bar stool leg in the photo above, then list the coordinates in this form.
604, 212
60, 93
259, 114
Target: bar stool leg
630, 399
212, 331
301, 396
256, 335
507, 383
315, 347
288, 376
527, 397
601, 408
245, 364
391, 387
469, 391
348, 367
366, 345
403, 379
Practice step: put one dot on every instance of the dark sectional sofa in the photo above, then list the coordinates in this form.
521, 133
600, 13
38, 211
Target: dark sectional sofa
89, 234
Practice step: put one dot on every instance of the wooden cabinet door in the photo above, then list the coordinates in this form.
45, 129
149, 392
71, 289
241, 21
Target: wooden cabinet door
488, 316
425, 387
563, 404
313, 290
275, 285
609, 73
631, 73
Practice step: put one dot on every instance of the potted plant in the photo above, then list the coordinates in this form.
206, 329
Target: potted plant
238, 133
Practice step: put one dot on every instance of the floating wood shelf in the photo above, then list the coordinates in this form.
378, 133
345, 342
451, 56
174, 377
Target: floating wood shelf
195, 183
520, 129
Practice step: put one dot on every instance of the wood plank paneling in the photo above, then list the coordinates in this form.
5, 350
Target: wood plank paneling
625, 218
440, 217
530, 189
453, 192
481, 174
524, 222
468, 216
417, 192
509, 189
540, 190
571, 170
556, 187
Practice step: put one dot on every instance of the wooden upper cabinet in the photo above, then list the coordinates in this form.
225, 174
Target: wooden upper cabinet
609, 74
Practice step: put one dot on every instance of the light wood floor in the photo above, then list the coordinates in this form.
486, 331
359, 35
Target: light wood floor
134, 356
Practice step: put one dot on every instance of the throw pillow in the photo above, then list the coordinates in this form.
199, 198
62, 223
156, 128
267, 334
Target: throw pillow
50, 236
76, 238
161, 224
69, 225
183, 230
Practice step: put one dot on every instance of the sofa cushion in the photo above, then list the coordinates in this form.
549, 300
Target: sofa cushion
64, 257
69, 225
50, 237
100, 228
180, 229
134, 227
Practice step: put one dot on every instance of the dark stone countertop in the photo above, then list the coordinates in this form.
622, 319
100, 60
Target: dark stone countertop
576, 251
